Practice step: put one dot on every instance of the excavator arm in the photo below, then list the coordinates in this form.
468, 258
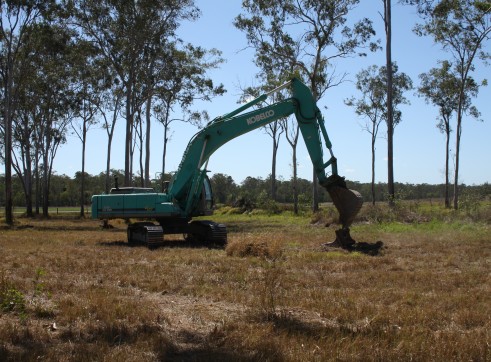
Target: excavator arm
187, 181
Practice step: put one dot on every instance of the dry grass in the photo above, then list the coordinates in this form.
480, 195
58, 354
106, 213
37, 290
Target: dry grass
70, 291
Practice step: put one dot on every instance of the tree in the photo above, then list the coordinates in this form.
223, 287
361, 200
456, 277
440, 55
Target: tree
311, 35
372, 83
127, 33
16, 17
43, 103
292, 131
24, 150
441, 87
90, 80
387, 17
182, 80
462, 27
274, 129
224, 188
53, 57
110, 102
371, 106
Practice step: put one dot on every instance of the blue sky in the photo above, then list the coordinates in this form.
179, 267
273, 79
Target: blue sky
418, 145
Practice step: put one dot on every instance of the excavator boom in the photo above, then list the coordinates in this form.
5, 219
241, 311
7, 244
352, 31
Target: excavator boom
223, 129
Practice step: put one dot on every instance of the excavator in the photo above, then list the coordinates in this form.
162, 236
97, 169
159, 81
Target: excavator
189, 193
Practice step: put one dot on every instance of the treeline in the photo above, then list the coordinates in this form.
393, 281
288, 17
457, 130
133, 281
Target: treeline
250, 193
258, 191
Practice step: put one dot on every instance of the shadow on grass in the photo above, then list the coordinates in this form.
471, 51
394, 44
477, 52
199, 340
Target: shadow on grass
59, 227
372, 249
195, 346
166, 244
206, 354
292, 325
252, 225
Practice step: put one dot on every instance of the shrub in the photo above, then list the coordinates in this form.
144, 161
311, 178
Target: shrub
11, 299
262, 247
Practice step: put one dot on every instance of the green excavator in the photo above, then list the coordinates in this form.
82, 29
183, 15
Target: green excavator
189, 193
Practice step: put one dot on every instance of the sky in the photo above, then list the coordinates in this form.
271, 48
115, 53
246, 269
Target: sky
419, 147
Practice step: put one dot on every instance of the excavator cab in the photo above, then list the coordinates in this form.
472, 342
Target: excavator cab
206, 202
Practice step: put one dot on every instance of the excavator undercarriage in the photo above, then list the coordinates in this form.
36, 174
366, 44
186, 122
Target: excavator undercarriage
200, 231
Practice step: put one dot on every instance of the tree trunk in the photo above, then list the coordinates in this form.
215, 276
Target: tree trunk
295, 185
82, 181
315, 181
28, 180
129, 133
142, 171
273, 167
110, 135
37, 180
9, 216
390, 115
166, 128
373, 168
24, 169
108, 161
293, 141
147, 143
447, 159
45, 185
315, 192
457, 154
164, 152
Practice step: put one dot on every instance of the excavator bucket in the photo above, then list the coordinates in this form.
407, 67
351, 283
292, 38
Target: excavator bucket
347, 202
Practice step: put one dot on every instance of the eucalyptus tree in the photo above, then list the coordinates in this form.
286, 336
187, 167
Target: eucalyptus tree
387, 18
462, 28
292, 131
16, 17
373, 104
320, 30
44, 100
109, 109
126, 32
90, 84
275, 129
182, 79
52, 56
440, 86
25, 155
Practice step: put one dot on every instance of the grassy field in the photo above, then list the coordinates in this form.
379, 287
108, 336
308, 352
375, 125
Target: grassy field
70, 291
